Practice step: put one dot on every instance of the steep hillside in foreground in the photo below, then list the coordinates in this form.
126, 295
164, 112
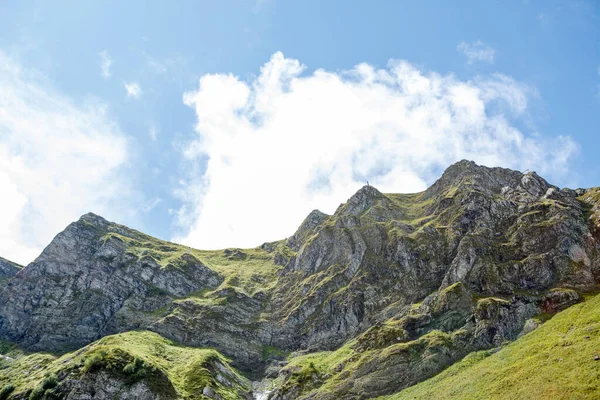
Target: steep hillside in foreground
132, 365
556, 361
385, 293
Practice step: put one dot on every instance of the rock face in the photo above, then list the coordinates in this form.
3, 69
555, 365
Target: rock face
8, 269
105, 386
397, 286
86, 284
481, 252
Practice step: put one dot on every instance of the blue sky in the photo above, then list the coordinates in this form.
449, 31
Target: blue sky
520, 87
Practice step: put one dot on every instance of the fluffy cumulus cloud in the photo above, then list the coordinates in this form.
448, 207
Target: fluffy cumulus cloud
270, 150
58, 160
477, 51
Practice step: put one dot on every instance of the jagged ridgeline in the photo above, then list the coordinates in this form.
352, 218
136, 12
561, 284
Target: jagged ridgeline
400, 295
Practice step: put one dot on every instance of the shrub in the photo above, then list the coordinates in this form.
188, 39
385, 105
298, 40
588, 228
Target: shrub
94, 362
139, 363
6, 391
37, 393
49, 382
52, 394
129, 369
135, 370
45, 387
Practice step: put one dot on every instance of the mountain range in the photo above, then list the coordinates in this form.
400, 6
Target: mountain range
481, 287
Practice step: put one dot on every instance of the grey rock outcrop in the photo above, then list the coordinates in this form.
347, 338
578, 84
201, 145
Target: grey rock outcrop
8, 269
86, 284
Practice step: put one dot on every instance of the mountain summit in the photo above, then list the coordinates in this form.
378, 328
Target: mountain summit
385, 293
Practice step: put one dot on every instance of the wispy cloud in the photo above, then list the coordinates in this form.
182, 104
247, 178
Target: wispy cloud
151, 205
162, 65
291, 142
133, 89
477, 51
105, 64
155, 65
58, 160
153, 132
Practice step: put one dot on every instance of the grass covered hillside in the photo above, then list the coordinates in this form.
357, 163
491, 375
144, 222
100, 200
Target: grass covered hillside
164, 369
555, 361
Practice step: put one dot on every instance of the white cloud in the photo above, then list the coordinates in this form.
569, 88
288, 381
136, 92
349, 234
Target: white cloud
133, 89
286, 143
105, 64
149, 206
477, 51
162, 65
58, 160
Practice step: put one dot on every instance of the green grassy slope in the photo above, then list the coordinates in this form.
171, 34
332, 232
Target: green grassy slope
137, 355
247, 270
556, 361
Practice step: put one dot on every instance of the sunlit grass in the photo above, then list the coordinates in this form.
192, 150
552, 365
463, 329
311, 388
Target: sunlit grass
556, 361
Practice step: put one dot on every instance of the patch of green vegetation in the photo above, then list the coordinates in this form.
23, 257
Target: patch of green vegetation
430, 340
248, 271
317, 284
383, 335
324, 361
304, 378
489, 304
188, 369
6, 347
590, 201
308, 371
448, 295
270, 352
6, 391
256, 273
94, 361
135, 370
555, 361
350, 363
23, 370
414, 205
45, 389
166, 366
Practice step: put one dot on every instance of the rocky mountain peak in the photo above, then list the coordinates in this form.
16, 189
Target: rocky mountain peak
307, 228
313, 219
535, 184
99, 225
362, 200
93, 218
489, 180
8, 269
79, 239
